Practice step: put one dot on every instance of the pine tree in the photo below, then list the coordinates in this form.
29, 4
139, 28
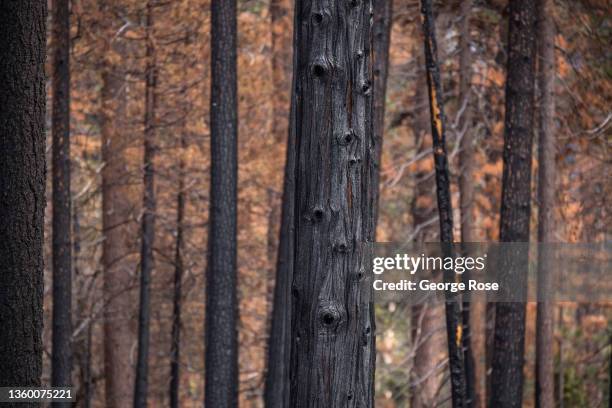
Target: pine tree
221, 300
509, 338
332, 341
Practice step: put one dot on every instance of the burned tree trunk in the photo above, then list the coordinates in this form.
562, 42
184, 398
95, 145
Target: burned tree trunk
61, 362
332, 351
221, 299
509, 338
276, 389
175, 346
22, 190
454, 323
545, 384
428, 337
381, 30
276, 393
147, 234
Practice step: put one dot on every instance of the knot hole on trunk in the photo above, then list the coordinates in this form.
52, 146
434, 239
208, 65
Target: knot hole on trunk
330, 315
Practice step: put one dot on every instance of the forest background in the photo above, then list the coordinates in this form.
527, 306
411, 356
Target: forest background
131, 53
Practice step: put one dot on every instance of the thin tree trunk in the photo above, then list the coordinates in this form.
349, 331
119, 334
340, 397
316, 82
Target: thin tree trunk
333, 352
276, 393
61, 362
175, 348
277, 386
471, 345
83, 313
545, 381
454, 324
428, 337
148, 219
22, 188
381, 30
509, 338
118, 205
276, 389
281, 28
221, 300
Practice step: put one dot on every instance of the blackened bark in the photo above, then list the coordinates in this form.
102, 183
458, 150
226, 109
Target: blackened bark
381, 30
175, 346
276, 393
545, 384
509, 338
454, 323
332, 351
61, 361
276, 389
277, 386
221, 300
22, 190
148, 219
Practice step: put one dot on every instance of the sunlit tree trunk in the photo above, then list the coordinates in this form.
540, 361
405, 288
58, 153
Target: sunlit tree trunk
61, 362
545, 384
221, 356
509, 338
22, 191
332, 341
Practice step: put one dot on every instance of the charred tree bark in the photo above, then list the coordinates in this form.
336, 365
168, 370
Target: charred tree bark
277, 386
61, 361
175, 347
509, 338
332, 352
454, 323
545, 381
221, 300
22, 188
148, 218
118, 207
